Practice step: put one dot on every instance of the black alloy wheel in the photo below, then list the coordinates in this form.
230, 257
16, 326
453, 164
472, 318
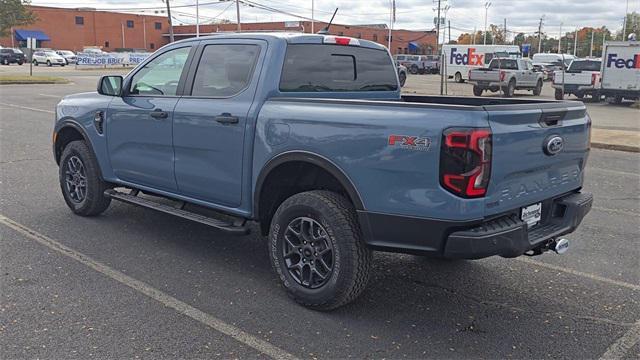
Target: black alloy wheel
308, 252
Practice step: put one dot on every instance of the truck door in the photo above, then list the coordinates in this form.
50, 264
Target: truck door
139, 124
211, 120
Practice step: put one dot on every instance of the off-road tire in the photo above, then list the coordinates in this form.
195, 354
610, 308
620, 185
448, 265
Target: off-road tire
458, 78
94, 202
402, 77
538, 89
477, 90
510, 89
558, 94
352, 258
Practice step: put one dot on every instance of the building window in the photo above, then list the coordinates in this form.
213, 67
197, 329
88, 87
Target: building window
152, 46
399, 51
79, 20
359, 35
106, 44
386, 38
130, 23
375, 37
158, 26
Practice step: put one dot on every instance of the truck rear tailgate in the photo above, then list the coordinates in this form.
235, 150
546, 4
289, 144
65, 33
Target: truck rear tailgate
484, 75
580, 78
539, 152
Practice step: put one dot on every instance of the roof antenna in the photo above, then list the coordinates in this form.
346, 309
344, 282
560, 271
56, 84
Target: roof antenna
325, 31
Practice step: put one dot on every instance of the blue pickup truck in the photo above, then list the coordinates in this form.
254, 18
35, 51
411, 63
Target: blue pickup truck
309, 138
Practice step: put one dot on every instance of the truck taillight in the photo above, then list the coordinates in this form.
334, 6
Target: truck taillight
594, 76
502, 75
465, 161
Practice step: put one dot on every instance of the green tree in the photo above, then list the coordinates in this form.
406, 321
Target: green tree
632, 25
14, 13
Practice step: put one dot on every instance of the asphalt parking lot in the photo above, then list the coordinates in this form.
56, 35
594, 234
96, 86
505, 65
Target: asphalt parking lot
135, 283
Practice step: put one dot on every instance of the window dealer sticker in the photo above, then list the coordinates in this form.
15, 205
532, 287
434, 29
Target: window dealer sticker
531, 214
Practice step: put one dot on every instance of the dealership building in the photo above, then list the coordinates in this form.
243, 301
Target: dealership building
79, 28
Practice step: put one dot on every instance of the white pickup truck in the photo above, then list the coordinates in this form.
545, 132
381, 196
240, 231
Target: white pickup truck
506, 74
580, 79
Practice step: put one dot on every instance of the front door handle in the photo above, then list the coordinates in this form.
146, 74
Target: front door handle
159, 114
226, 118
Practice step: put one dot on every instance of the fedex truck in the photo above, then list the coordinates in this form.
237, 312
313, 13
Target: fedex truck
621, 71
459, 59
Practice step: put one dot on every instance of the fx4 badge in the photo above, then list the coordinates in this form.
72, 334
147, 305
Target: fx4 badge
410, 142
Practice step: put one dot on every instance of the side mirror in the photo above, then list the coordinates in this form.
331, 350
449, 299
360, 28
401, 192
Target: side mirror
110, 85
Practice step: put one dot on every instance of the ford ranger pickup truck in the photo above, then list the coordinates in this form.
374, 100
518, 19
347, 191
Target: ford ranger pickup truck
507, 75
307, 139
581, 78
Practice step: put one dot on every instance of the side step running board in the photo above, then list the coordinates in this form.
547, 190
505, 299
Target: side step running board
167, 209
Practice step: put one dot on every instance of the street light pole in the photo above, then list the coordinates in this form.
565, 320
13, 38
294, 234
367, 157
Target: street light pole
170, 21
238, 14
486, 12
313, 19
560, 40
197, 18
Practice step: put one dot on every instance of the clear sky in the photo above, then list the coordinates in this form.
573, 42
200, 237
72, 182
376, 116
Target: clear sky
521, 15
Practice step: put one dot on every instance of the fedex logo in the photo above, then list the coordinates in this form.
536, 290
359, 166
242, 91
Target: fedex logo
470, 58
620, 63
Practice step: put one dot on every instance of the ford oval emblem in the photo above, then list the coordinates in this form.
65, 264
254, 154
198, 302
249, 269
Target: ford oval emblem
553, 145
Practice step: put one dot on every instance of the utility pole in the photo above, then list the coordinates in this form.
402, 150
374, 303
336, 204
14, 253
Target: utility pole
122, 28
392, 18
540, 34
313, 21
504, 40
487, 5
475, 32
444, 33
604, 39
591, 47
560, 40
449, 31
238, 14
197, 18
624, 22
144, 31
575, 41
170, 22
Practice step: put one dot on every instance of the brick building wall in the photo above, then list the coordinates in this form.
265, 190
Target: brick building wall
400, 39
73, 29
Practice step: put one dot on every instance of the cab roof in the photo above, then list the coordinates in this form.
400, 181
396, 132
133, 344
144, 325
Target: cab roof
288, 37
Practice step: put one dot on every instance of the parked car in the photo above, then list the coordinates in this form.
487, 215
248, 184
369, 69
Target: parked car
507, 75
546, 69
402, 74
553, 58
419, 64
69, 56
12, 56
325, 155
621, 71
581, 78
48, 57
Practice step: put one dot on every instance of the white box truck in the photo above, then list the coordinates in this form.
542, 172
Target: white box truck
621, 71
459, 59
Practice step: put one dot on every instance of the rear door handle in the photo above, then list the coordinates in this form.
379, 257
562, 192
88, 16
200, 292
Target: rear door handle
226, 118
159, 114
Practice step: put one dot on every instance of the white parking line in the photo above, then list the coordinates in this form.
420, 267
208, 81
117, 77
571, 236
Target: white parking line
28, 108
143, 288
580, 273
53, 96
619, 349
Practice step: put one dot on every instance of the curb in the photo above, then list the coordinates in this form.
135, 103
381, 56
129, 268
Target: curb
31, 82
617, 147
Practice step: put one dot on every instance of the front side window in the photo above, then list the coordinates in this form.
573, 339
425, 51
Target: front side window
160, 76
129, 23
224, 70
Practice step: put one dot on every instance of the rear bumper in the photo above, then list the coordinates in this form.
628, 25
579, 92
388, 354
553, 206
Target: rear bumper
506, 235
573, 87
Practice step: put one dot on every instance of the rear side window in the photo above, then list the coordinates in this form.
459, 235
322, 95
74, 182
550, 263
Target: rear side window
334, 68
224, 70
506, 64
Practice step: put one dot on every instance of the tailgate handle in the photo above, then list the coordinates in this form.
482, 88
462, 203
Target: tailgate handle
552, 118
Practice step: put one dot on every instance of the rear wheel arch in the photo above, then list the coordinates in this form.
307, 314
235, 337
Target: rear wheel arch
293, 172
